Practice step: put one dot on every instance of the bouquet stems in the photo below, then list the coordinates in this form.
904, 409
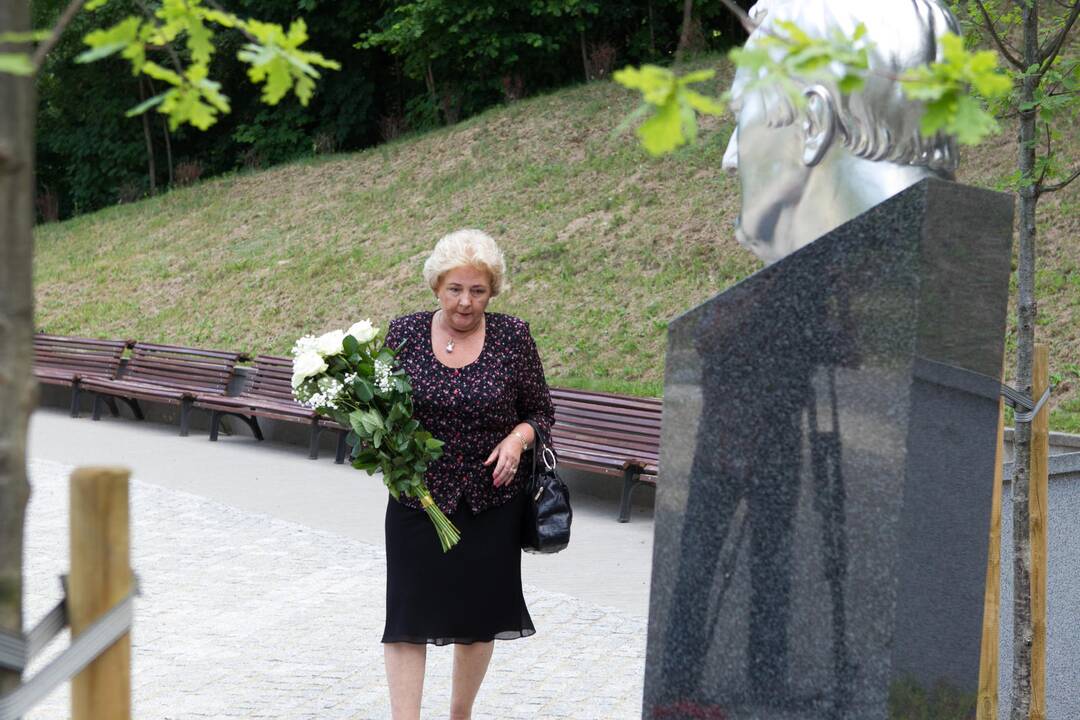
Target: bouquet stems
448, 534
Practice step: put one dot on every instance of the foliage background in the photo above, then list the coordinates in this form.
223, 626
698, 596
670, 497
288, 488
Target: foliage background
605, 245
481, 53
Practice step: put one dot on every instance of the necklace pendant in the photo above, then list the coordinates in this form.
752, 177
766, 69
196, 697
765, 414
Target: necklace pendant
450, 345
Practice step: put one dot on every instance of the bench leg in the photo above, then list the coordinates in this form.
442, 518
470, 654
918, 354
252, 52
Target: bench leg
630, 481
313, 443
185, 416
110, 402
217, 415
96, 415
132, 403
339, 457
253, 423
215, 422
75, 390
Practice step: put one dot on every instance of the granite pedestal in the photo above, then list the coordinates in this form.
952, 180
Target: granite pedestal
827, 461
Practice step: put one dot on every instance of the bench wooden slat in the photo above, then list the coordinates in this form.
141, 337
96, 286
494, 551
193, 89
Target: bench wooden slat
149, 348
612, 434
65, 360
623, 451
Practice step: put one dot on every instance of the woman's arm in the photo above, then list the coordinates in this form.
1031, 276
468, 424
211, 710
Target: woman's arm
532, 402
534, 397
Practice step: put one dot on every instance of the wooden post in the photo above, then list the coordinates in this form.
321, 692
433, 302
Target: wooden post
988, 658
1037, 503
100, 577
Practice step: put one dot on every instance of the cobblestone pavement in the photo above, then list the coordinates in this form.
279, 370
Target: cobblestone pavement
246, 616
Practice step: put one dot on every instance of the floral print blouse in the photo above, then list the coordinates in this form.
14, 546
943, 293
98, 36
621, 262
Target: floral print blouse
473, 408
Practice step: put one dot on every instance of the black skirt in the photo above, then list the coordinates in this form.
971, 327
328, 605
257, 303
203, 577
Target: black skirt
471, 593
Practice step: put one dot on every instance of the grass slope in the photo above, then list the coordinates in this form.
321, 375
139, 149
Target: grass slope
604, 245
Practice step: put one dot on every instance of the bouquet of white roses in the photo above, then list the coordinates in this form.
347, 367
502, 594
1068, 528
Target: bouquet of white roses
349, 375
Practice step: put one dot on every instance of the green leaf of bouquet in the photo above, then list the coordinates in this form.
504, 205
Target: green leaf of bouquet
397, 413
433, 444
364, 390
377, 438
351, 345
365, 422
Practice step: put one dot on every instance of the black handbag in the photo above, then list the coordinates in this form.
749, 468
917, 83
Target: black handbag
546, 524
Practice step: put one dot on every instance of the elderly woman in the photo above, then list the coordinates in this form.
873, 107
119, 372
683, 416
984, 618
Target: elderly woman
477, 380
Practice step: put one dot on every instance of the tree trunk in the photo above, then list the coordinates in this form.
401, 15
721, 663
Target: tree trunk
429, 78
652, 32
151, 169
687, 25
168, 148
1025, 331
165, 134
16, 320
584, 56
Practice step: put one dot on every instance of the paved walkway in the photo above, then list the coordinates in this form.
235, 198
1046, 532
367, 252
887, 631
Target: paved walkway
248, 614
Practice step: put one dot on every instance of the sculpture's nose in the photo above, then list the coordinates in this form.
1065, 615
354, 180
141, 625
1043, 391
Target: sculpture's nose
731, 155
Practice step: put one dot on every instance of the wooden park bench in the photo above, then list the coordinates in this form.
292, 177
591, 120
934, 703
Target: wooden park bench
269, 395
67, 361
168, 374
610, 434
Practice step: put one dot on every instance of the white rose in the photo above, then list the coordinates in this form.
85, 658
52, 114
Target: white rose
306, 365
304, 345
330, 343
363, 331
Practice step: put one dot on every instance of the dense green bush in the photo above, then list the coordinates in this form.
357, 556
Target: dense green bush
406, 67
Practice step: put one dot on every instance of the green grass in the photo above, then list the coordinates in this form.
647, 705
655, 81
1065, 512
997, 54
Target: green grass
605, 245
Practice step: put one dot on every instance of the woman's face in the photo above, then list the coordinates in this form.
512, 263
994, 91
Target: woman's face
463, 294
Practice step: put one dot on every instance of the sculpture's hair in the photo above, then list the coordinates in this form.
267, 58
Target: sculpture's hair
466, 248
878, 121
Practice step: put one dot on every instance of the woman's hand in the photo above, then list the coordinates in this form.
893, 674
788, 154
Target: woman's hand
506, 457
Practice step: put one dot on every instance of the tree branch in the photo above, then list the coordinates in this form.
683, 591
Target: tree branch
1013, 60
1058, 186
246, 33
50, 42
1049, 52
169, 49
745, 20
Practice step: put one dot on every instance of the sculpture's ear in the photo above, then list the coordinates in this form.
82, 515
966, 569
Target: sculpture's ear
819, 124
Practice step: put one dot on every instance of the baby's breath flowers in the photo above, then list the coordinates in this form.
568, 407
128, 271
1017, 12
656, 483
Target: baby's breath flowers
350, 377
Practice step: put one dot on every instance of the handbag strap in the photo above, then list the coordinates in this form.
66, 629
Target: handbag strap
538, 444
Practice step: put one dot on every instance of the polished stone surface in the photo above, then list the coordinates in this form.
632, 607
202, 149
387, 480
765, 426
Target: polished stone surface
826, 467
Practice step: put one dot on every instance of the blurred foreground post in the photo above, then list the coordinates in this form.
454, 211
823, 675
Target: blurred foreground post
100, 578
1040, 451
989, 660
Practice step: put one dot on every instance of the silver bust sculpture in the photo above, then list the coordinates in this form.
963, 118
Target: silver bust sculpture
806, 170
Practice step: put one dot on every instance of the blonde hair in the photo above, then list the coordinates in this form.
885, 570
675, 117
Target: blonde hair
471, 248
